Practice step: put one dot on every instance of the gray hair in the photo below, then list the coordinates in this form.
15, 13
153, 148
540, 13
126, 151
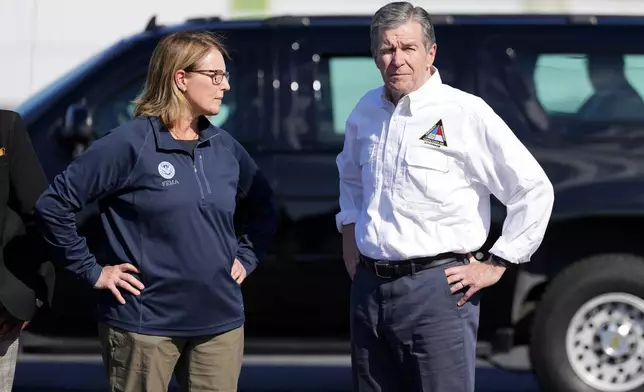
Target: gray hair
396, 14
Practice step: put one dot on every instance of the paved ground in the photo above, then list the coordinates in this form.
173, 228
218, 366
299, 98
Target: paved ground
259, 374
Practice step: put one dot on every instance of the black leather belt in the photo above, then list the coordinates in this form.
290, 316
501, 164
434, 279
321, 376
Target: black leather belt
396, 269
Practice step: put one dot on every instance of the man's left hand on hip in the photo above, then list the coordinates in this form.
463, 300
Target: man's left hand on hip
475, 275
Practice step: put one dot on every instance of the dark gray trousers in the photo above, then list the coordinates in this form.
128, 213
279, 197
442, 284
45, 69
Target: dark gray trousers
408, 334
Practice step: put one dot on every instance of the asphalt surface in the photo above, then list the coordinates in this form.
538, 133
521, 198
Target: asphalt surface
259, 374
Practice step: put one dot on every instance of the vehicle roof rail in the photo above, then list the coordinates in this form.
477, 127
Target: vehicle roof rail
582, 19
442, 19
287, 20
204, 19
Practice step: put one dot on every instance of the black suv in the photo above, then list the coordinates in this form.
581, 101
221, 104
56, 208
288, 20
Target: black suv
570, 87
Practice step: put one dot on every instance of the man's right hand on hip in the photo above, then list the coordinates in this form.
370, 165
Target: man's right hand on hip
350, 252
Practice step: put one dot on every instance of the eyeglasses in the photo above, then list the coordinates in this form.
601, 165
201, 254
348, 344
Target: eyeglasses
216, 75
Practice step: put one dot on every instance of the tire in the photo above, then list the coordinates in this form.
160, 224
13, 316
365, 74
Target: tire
613, 279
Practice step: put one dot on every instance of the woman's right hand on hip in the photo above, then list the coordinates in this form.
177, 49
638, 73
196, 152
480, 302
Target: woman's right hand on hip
114, 277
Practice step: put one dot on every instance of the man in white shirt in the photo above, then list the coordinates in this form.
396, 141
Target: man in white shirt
419, 163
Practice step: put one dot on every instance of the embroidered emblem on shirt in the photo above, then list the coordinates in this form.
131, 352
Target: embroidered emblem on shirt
166, 170
436, 135
3, 151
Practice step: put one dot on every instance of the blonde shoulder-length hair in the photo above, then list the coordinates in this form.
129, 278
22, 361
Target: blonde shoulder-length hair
160, 96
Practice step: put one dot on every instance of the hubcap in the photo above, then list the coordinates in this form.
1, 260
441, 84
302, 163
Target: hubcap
605, 342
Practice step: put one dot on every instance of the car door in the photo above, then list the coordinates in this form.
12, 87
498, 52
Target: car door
299, 160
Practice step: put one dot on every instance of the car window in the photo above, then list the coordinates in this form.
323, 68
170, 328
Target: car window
116, 109
349, 79
588, 87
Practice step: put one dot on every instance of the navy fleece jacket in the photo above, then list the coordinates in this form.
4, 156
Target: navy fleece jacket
171, 215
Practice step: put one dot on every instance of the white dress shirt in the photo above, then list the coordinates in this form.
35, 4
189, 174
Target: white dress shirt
412, 192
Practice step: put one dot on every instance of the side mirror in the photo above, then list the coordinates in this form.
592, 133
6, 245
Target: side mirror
78, 123
77, 129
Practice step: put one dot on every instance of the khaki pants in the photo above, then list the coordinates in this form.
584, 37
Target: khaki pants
8, 357
144, 363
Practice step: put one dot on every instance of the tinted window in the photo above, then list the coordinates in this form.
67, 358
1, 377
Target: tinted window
116, 109
343, 81
349, 79
587, 87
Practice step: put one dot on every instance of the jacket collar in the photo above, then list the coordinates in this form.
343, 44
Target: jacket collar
165, 141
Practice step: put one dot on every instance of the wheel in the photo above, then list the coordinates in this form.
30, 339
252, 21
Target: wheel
588, 332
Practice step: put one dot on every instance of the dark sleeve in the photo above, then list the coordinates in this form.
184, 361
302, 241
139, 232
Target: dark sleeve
257, 209
27, 179
101, 170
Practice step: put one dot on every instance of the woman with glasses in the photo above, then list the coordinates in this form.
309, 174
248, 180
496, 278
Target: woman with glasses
167, 185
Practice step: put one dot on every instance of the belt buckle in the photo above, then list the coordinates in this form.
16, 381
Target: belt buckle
381, 264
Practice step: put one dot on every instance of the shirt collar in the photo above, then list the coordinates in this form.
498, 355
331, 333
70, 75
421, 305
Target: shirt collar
165, 141
416, 99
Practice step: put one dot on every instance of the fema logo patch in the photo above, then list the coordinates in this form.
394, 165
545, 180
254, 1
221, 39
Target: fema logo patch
166, 170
